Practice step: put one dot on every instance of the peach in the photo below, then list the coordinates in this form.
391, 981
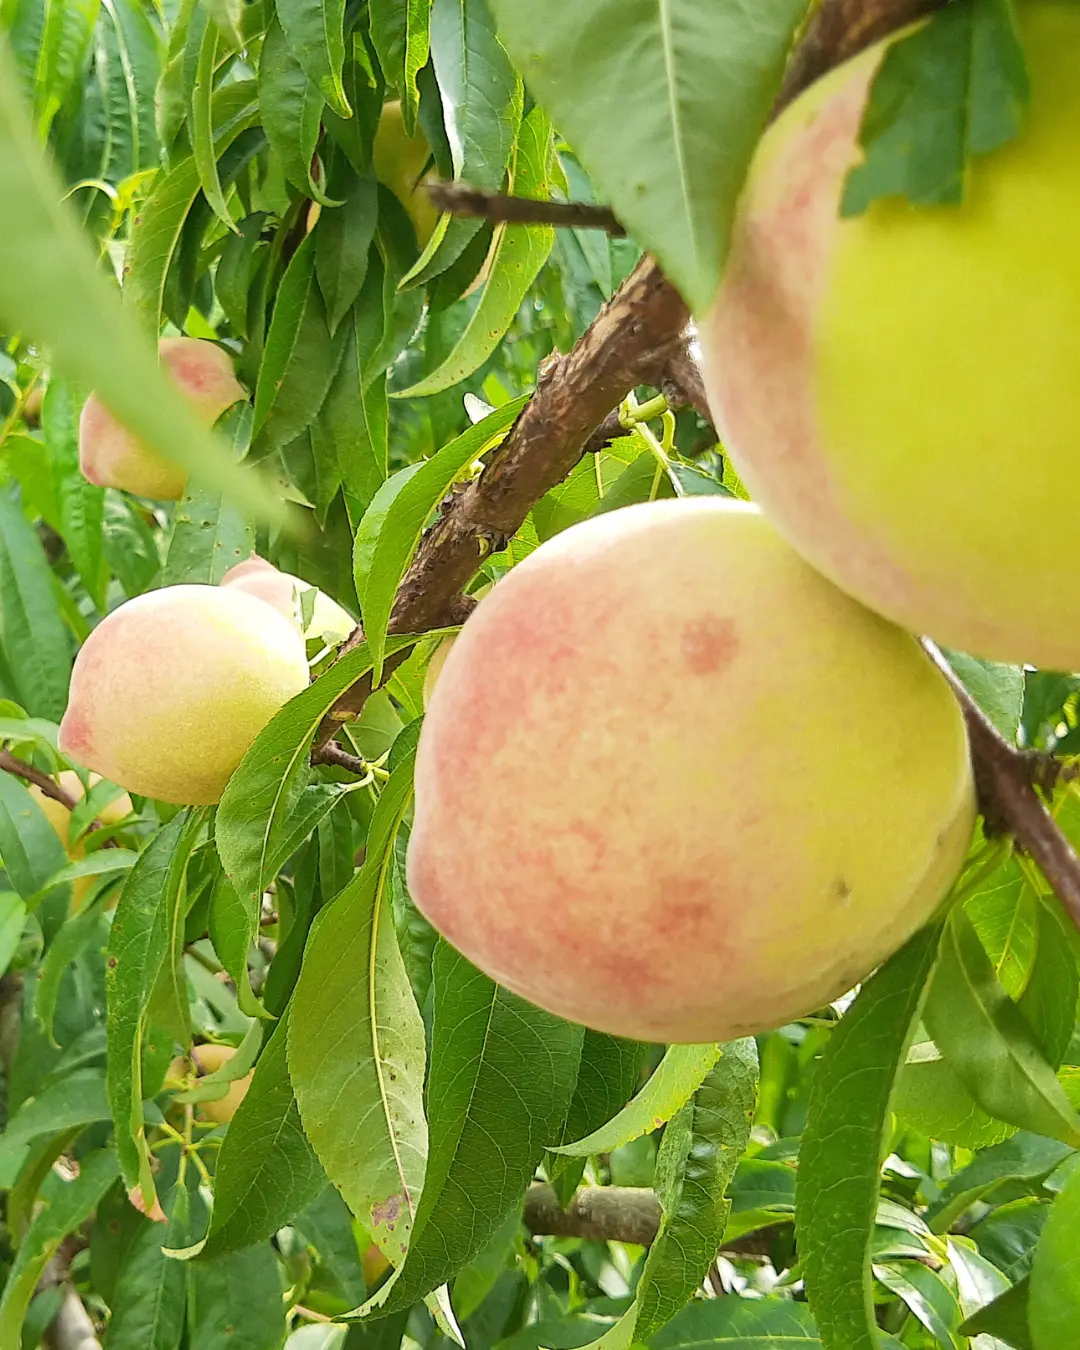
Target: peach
208, 1059
169, 691
59, 817
399, 159
675, 785
898, 389
110, 456
263, 580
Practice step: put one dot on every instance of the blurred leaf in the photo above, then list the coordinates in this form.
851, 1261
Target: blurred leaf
518, 255
741, 1324
485, 1141
665, 118
52, 289
315, 30
390, 539
956, 88
1054, 1303
66, 1206
1006, 1319
356, 1048
985, 1039
675, 1080
12, 920
267, 1171
36, 645
844, 1142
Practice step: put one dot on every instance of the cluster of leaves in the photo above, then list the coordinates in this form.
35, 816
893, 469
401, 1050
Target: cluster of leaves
905, 1162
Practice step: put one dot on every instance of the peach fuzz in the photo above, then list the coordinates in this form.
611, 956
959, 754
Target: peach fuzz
110, 456
898, 390
169, 691
675, 785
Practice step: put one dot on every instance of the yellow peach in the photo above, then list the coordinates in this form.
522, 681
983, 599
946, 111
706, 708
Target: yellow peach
208, 1059
675, 785
169, 691
283, 590
399, 159
898, 389
110, 456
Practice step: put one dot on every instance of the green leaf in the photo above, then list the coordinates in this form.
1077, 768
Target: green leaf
28, 843
209, 534
343, 239
315, 30
389, 540
267, 1171
955, 88
297, 365
253, 826
519, 253
399, 31
202, 124
844, 1142
500, 1078
983, 1036
998, 689
677, 1077
12, 921
66, 1206
740, 1324
663, 105
1048, 1003
81, 504
236, 1302
1027, 1158
61, 53
697, 1159
139, 944
356, 1048
1054, 1305
927, 1297
291, 108
482, 106
36, 644
1006, 1319
155, 239
78, 1099
54, 292
151, 1295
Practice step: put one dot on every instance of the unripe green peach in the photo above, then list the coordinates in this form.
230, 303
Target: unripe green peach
110, 456
674, 784
169, 691
399, 160
283, 590
898, 390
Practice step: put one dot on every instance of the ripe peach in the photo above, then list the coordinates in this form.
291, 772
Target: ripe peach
169, 691
283, 590
674, 784
898, 389
110, 456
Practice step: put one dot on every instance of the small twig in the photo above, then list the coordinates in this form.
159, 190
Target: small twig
50, 787
334, 754
462, 200
1005, 780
